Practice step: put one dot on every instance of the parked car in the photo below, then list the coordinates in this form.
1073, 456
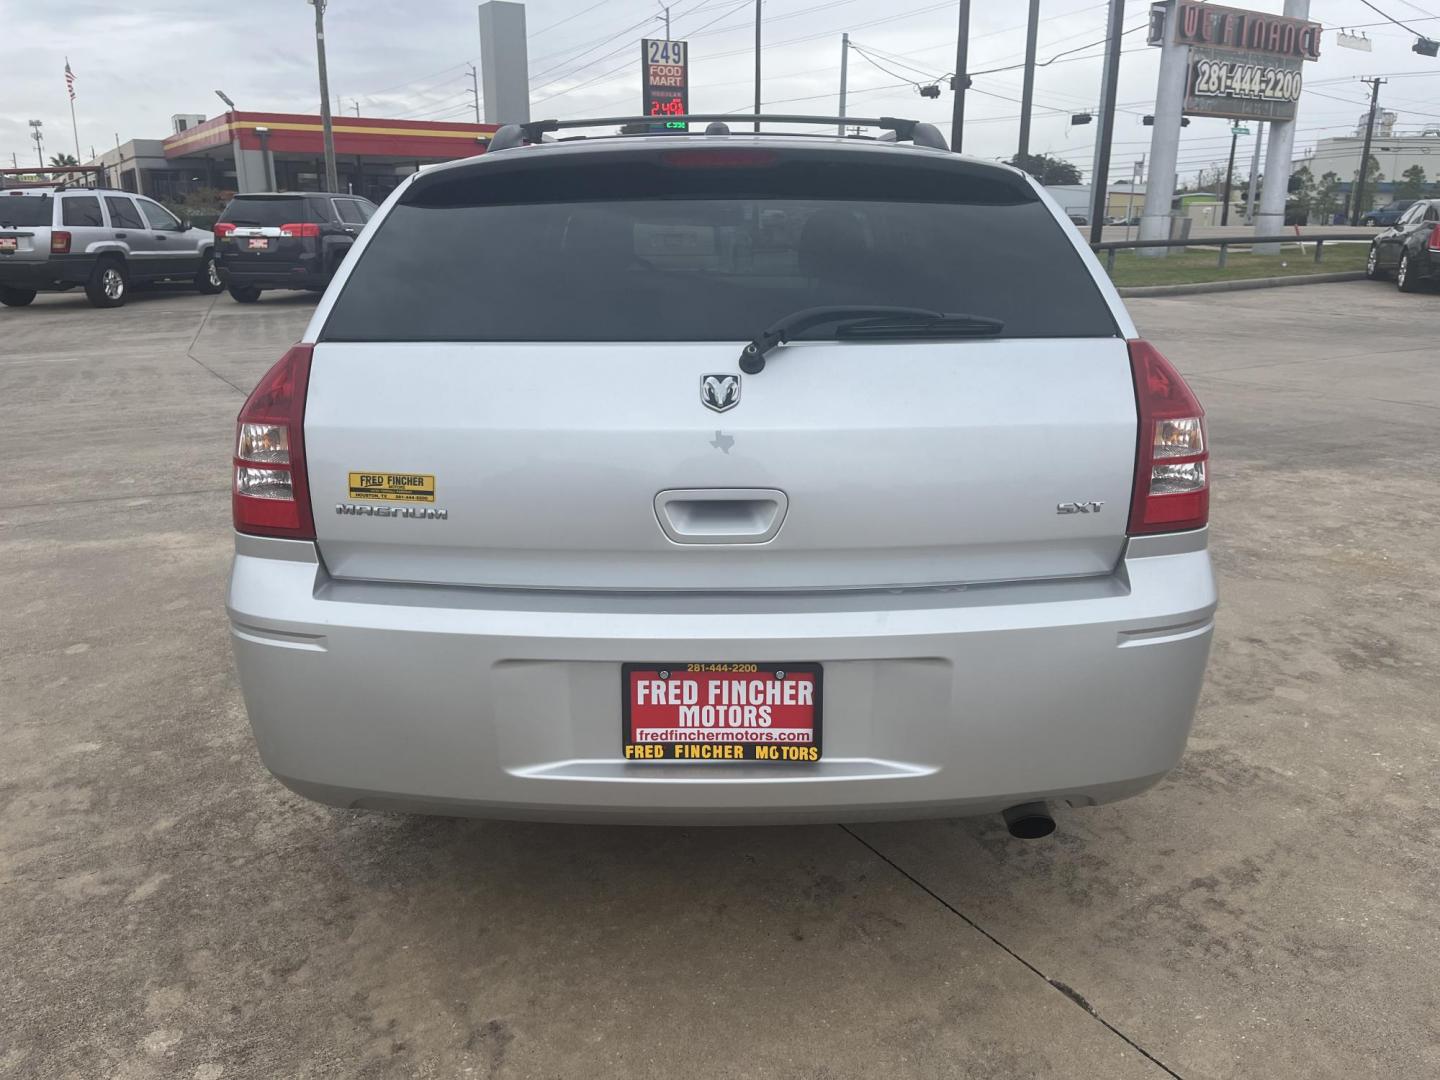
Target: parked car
1409, 249
286, 240
1386, 216
583, 498
105, 241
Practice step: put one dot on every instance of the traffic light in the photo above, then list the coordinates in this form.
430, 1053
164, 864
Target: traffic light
1425, 47
1080, 118
1149, 121
931, 91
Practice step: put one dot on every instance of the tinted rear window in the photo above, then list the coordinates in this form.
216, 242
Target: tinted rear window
639, 251
123, 214
80, 210
266, 211
18, 210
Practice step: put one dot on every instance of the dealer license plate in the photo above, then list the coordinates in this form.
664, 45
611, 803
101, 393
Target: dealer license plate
721, 712
258, 243
8, 243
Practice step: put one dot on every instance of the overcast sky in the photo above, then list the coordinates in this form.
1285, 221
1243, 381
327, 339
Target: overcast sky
137, 63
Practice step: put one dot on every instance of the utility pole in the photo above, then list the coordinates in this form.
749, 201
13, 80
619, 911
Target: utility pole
961, 82
1359, 205
1027, 94
666, 8
1254, 175
475, 79
757, 64
39, 137
1229, 176
844, 70
332, 182
1100, 193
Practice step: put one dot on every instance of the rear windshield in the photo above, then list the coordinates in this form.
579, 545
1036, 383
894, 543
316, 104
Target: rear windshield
17, 210
265, 210
582, 253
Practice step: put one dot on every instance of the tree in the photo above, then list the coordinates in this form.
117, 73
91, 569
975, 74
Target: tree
1413, 183
1326, 200
1046, 169
1301, 188
1373, 179
59, 161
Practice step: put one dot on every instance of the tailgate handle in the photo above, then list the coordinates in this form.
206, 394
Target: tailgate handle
721, 515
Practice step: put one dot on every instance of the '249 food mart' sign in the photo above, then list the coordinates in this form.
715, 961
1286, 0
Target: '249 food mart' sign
1243, 64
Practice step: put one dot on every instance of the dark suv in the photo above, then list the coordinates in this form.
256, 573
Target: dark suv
286, 240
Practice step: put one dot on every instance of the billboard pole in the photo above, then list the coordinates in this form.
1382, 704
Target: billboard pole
1254, 175
1278, 151
1165, 135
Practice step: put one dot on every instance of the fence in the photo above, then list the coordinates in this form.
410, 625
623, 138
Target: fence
1110, 247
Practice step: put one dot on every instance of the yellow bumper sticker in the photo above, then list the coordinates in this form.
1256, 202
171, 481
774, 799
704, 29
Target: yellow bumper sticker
392, 487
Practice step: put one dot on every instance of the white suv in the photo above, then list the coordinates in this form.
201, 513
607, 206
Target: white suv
104, 241
717, 478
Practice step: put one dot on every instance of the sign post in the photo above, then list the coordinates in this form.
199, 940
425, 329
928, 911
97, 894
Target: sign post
665, 82
1228, 62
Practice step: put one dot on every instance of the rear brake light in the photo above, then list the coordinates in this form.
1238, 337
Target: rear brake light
1172, 481
728, 158
1434, 242
271, 494
59, 242
299, 228
223, 228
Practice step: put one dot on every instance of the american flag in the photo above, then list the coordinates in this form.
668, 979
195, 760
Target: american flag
69, 79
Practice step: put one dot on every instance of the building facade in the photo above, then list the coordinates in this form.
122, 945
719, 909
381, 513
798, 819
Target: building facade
253, 151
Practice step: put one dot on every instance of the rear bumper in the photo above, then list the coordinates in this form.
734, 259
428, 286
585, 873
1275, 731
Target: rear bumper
306, 272
507, 704
55, 272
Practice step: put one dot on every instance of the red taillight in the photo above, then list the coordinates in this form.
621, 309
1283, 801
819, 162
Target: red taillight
223, 228
300, 228
1172, 480
1434, 242
271, 495
60, 242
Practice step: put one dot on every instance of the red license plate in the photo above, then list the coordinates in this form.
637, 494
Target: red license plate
8, 243
258, 243
721, 712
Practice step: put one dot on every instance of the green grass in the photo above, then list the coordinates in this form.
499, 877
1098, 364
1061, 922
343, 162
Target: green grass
1197, 264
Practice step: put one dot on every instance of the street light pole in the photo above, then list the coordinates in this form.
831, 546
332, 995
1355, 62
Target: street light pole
961, 82
332, 182
757, 64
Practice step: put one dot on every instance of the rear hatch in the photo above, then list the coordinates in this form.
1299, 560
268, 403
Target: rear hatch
264, 231
25, 225
530, 378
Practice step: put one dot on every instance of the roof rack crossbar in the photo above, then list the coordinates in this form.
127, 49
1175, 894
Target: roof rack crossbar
534, 131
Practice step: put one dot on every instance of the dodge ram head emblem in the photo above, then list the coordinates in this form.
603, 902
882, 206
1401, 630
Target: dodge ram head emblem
720, 392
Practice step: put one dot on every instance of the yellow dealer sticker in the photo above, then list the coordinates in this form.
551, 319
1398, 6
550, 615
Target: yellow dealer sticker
392, 487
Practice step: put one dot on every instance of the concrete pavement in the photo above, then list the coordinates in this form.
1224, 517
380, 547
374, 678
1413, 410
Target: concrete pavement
1270, 910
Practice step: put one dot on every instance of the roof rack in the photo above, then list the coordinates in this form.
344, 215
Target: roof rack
899, 129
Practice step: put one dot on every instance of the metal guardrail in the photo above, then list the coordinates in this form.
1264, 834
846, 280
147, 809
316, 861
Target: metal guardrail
1224, 243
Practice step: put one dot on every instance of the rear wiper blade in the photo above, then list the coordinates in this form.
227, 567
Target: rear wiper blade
946, 326
862, 321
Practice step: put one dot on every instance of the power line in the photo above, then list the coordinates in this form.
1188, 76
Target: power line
1392, 18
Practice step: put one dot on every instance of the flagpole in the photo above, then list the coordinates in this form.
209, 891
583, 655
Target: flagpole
74, 129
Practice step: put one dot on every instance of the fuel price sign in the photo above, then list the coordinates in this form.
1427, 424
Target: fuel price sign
665, 81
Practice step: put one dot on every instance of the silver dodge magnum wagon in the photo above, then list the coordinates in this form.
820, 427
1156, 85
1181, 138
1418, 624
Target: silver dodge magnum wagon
720, 477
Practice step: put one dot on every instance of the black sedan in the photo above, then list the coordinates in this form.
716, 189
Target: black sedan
1409, 249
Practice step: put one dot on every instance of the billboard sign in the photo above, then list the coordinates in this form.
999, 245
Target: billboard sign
665, 81
1243, 65
1247, 31
1242, 85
